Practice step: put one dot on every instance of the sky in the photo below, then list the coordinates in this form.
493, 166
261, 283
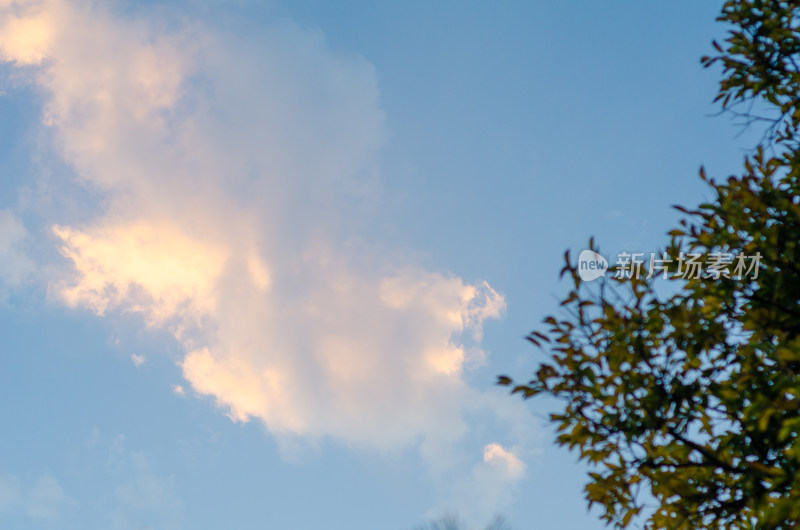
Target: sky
261, 262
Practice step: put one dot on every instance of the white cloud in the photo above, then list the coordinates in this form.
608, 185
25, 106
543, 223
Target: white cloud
141, 496
226, 166
506, 462
46, 499
487, 488
144, 498
137, 360
10, 492
15, 266
41, 500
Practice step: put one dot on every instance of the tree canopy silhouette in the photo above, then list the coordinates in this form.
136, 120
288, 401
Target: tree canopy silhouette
691, 392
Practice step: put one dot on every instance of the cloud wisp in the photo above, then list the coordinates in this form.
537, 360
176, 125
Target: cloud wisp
229, 169
15, 266
43, 500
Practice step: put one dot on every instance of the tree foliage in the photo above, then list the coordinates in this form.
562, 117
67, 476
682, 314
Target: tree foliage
452, 522
691, 393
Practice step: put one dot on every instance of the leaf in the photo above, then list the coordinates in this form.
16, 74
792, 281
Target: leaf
504, 380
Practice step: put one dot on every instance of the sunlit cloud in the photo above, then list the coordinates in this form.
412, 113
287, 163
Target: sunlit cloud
505, 460
145, 266
26, 39
225, 168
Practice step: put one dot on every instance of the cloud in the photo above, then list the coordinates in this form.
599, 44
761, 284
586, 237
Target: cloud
151, 267
142, 498
42, 500
26, 40
10, 492
138, 360
489, 487
46, 499
15, 266
506, 462
231, 172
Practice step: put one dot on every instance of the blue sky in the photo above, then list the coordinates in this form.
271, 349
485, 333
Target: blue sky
260, 264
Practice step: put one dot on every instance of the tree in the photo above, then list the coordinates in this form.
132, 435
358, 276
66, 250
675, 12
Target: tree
689, 388
452, 522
